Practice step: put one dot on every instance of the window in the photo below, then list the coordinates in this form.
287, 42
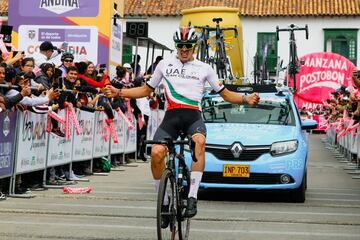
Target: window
266, 42
127, 54
342, 41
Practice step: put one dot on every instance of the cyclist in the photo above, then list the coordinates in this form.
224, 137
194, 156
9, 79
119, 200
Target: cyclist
184, 80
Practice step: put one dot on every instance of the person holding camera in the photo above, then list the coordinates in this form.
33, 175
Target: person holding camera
48, 53
7, 101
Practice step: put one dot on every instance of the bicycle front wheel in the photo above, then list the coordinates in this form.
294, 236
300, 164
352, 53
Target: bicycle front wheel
184, 223
167, 224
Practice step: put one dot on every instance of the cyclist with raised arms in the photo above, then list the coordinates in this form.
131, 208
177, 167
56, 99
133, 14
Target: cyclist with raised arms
184, 81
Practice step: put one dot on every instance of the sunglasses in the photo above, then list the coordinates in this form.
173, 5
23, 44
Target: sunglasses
185, 45
68, 60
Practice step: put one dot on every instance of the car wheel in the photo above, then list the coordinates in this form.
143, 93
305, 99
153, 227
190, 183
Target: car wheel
298, 195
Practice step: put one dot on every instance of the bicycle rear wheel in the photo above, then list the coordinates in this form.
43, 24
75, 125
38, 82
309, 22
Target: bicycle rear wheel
167, 189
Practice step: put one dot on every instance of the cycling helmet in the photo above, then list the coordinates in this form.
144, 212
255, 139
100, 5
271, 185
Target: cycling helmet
185, 35
66, 55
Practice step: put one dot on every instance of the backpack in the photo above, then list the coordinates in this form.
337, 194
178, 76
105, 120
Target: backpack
103, 164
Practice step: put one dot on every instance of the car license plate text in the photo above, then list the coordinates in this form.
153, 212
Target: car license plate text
236, 170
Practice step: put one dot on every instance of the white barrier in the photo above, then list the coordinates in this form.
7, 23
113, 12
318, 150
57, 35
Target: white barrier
83, 143
130, 138
32, 142
101, 147
60, 149
155, 119
119, 124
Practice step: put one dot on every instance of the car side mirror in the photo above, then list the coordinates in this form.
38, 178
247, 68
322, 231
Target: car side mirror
308, 124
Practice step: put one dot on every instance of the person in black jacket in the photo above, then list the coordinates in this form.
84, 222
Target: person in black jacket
10, 102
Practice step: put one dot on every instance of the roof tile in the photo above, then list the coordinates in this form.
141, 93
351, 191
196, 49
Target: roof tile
253, 8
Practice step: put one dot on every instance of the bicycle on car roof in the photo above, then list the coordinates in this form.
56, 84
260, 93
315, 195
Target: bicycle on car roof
220, 59
294, 62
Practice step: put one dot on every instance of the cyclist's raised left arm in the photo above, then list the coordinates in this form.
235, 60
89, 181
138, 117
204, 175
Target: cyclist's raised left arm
228, 95
237, 98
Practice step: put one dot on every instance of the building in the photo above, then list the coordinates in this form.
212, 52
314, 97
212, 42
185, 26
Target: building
333, 25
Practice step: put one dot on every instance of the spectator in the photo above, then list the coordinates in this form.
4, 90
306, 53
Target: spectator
66, 61
152, 67
136, 68
48, 53
46, 75
10, 102
90, 70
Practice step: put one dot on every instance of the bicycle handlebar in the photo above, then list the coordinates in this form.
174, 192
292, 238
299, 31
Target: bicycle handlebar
292, 28
171, 142
211, 29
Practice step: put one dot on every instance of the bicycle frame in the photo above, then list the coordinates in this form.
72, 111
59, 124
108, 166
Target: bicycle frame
294, 63
178, 224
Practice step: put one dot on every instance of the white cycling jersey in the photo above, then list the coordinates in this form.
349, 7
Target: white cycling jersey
184, 82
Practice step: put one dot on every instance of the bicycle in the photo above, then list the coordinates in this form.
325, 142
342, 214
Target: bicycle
203, 46
294, 63
175, 184
220, 60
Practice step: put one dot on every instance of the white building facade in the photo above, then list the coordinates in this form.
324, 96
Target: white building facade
323, 31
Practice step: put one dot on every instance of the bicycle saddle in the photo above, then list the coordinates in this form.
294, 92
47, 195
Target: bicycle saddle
217, 20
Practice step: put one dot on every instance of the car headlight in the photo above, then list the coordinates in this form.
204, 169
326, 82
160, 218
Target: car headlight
279, 148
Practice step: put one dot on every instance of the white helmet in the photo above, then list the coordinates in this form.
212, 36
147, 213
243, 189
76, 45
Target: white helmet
185, 35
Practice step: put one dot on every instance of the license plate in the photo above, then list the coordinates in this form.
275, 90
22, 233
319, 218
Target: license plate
236, 170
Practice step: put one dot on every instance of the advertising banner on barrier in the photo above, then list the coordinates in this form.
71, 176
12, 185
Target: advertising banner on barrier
130, 138
83, 143
7, 140
120, 131
80, 40
32, 142
101, 148
60, 148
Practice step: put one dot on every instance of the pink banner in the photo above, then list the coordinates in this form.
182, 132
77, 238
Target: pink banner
322, 73
321, 121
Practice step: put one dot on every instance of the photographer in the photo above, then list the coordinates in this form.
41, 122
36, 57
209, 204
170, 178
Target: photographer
48, 53
10, 102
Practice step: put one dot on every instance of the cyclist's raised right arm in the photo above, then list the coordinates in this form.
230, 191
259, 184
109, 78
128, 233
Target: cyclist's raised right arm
138, 92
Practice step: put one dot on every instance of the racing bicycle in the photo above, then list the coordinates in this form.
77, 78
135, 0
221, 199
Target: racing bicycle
174, 185
220, 60
294, 63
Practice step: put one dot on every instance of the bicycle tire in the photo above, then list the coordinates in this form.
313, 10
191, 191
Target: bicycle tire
221, 60
167, 185
184, 223
202, 52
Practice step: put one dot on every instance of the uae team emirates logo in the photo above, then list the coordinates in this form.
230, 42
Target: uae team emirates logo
59, 6
321, 74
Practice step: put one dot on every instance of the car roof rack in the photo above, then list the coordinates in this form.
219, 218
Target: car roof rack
269, 88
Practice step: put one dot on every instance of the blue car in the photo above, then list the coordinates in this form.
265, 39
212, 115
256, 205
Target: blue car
261, 147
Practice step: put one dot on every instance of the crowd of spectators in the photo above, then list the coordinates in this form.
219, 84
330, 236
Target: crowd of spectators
35, 83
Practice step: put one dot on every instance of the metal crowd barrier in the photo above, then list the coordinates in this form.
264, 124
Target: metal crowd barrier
346, 149
25, 146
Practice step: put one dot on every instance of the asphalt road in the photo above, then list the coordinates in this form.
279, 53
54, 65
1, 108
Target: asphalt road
122, 206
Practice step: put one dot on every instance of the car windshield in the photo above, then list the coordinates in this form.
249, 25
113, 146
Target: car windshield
276, 111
